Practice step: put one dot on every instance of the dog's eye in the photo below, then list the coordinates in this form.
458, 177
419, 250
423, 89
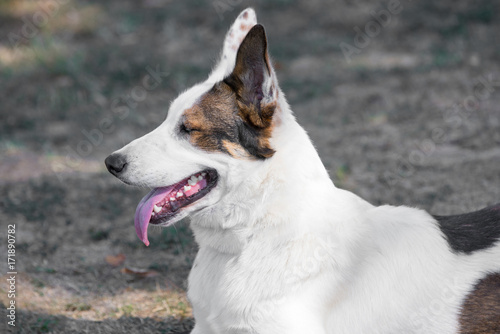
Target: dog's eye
186, 129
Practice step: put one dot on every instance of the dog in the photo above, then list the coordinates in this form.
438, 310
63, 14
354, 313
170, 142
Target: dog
281, 249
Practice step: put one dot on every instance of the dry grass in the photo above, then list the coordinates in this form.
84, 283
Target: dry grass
159, 304
48, 25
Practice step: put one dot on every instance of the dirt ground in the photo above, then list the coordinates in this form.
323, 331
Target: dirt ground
405, 112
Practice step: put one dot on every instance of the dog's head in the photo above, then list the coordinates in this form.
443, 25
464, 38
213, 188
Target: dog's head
215, 134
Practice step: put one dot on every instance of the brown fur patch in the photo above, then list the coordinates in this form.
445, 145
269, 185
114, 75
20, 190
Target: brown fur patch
262, 120
235, 150
481, 309
218, 122
211, 120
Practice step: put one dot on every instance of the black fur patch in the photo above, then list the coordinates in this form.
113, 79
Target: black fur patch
470, 232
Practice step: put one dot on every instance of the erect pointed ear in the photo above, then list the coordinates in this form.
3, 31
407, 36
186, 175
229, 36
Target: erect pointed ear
235, 35
252, 79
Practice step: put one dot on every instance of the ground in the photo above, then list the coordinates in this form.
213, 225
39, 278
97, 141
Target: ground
404, 111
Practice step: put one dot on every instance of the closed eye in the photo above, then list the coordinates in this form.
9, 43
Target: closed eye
185, 129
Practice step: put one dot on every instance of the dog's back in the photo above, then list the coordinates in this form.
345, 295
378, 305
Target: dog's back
470, 232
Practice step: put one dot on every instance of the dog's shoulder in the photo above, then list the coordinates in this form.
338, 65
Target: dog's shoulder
474, 231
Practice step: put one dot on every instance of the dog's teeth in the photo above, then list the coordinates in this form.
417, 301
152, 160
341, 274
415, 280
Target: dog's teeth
203, 174
172, 199
186, 188
152, 214
192, 181
179, 194
156, 208
200, 178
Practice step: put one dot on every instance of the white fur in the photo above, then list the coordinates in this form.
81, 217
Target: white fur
282, 250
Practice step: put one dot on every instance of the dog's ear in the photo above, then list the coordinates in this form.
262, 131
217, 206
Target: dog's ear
235, 35
252, 80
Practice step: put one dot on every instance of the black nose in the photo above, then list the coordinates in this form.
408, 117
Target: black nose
115, 163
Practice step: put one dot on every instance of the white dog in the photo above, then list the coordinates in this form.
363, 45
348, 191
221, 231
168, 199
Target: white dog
281, 249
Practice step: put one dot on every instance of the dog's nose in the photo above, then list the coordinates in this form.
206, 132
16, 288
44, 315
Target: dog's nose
115, 163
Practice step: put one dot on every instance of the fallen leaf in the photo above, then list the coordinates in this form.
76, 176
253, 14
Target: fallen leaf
115, 260
139, 273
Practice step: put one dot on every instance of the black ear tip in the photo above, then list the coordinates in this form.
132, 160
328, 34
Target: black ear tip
257, 29
259, 26
256, 36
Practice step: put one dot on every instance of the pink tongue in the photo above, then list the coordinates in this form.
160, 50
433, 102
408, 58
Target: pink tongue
144, 209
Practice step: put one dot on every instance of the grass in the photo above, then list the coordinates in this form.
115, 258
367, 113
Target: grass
78, 307
44, 325
36, 208
442, 58
46, 46
305, 90
127, 310
98, 234
38, 297
45, 270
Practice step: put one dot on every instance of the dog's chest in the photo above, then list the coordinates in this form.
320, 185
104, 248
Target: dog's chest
252, 290
229, 281
231, 291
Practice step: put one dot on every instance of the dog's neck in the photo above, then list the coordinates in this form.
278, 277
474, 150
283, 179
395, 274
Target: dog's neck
293, 178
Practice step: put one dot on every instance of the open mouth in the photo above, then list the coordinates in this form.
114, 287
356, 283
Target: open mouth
161, 204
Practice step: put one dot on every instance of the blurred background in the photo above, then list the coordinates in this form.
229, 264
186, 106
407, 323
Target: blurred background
401, 98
